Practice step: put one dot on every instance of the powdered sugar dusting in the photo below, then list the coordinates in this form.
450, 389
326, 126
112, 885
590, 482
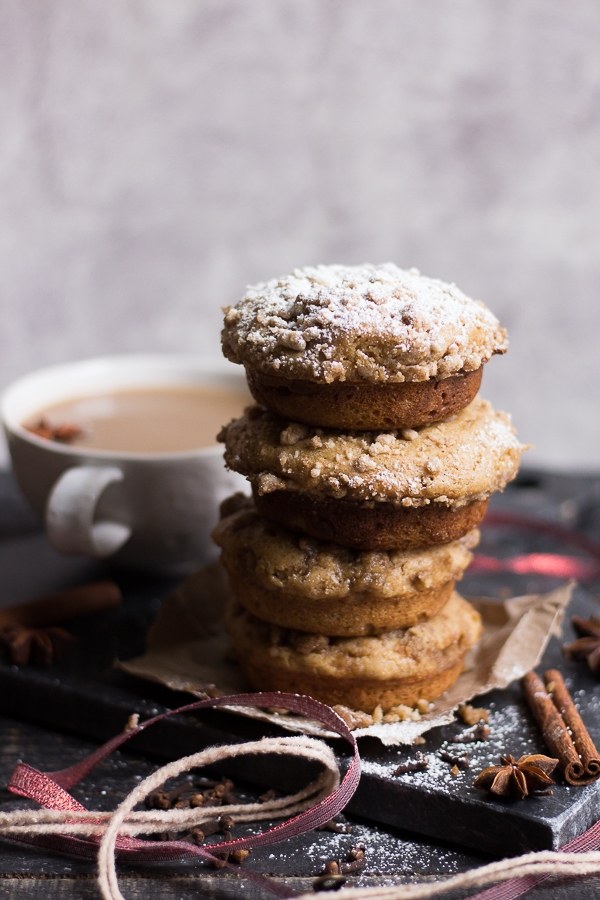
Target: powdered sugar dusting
464, 458
510, 732
373, 323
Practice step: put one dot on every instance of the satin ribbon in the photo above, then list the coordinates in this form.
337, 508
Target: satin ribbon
516, 887
554, 564
49, 790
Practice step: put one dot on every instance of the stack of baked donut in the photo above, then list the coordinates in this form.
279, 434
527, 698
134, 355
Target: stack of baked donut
372, 459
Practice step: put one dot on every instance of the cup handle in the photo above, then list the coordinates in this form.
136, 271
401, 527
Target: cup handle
70, 513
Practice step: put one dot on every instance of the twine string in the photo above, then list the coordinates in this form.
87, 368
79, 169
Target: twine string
65, 825
88, 834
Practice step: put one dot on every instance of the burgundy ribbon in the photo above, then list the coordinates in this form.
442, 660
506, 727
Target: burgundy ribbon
515, 887
49, 789
554, 564
561, 566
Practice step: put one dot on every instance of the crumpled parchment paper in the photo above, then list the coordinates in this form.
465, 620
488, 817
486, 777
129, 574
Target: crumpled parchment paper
188, 650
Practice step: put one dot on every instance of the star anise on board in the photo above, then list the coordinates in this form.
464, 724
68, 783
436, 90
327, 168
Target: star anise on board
38, 645
524, 777
64, 434
587, 647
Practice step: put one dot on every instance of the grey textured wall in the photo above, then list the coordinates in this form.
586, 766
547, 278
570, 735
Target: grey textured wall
157, 155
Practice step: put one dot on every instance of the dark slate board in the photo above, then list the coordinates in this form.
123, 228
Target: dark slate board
83, 694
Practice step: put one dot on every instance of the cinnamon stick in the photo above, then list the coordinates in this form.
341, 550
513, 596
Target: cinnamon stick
554, 731
63, 605
584, 745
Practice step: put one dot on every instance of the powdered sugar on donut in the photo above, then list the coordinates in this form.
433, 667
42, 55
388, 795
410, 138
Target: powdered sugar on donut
373, 323
464, 458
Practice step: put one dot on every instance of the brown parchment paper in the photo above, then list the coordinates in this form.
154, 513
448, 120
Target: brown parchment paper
188, 650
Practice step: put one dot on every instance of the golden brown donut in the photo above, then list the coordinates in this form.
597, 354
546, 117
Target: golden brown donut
353, 405
361, 347
380, 526
376, 490
360, 323
299, 582
392, 669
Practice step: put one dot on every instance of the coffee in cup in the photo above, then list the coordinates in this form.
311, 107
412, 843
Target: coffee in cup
145, 493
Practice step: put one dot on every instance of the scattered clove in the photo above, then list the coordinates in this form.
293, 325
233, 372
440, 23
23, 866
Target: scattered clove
357, 852
200, 833
461, 762
419, 764
158, 800
481, 732
355, 865
335, 826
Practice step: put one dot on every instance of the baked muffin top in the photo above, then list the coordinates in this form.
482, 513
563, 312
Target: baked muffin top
424, 649
300, 566
360, 323
464, 458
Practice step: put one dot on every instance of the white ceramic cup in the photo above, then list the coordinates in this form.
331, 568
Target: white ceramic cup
154, 511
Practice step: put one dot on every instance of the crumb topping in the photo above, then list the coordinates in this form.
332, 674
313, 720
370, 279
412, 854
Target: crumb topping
464, 458
423, 649
304, 567
360, 323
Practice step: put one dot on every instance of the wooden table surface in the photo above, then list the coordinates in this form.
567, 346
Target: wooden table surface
391, 856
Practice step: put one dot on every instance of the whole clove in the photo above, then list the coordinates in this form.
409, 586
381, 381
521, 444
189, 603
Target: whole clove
211, 826
158, 800
419, 764
481, 732
226, 823
354, 865
461, 762
357, 852
336, 827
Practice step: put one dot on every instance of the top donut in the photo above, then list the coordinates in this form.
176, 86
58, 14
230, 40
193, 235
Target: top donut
361, 346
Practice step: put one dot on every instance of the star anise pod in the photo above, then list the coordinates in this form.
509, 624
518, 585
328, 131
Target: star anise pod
529, 775
587, 647
64, 434
38, 645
